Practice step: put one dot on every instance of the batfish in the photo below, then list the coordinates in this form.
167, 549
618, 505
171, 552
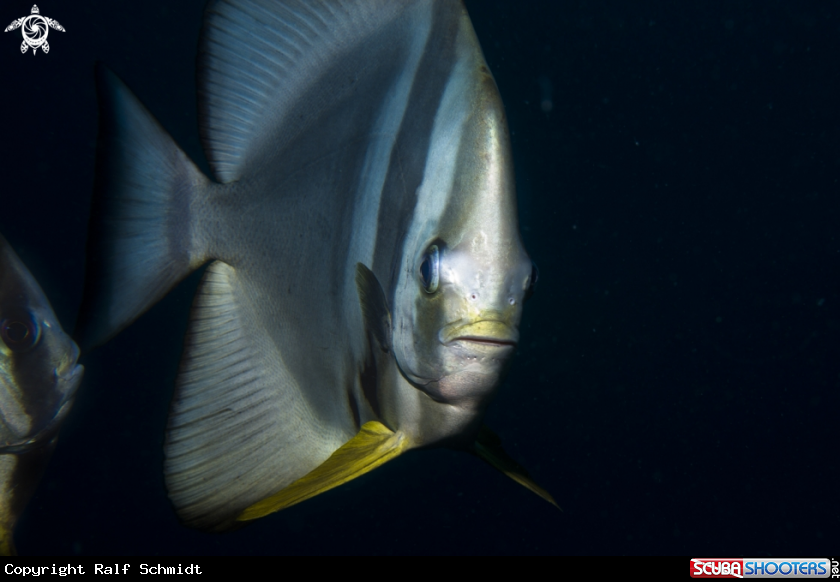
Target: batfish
365, 275
38, 382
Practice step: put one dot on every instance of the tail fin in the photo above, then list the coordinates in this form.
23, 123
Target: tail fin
141, 236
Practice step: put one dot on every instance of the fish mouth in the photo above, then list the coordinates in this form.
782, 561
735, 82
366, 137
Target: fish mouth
68, 381
486, 333
68, 378
71, 378
69, 375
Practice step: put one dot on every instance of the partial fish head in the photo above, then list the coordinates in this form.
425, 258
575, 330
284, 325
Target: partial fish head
465, 272
38, 370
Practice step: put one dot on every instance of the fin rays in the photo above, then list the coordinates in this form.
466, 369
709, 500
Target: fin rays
143, 242
257, 57
374, 445
488, 446
236, 421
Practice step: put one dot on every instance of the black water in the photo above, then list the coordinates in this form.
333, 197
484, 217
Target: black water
678, 384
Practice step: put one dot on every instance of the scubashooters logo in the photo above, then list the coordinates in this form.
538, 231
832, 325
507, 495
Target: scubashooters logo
35, 29
761, 568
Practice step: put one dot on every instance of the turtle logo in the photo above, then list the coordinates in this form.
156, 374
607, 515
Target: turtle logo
35, 29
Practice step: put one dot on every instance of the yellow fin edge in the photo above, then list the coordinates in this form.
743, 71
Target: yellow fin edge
374, 445
7, 543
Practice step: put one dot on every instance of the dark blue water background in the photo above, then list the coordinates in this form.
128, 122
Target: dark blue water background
678, 383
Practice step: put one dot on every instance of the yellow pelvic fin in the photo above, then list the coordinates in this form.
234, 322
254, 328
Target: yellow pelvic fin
375, 445
7, 543
488, 446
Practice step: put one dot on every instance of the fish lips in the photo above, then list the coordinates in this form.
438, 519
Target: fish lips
475, 358
68, 380
480, 336
67, 383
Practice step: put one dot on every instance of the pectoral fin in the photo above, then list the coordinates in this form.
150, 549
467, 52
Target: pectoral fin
375, 445
374, 306
488, 446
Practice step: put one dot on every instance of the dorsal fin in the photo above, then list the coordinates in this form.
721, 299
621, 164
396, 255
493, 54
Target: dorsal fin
257, 58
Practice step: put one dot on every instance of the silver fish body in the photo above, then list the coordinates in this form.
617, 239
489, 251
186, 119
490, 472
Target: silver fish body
39, 377
365, 264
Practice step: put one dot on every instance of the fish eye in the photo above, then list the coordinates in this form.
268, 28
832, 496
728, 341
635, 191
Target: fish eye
532, 282
19, 332
430, 269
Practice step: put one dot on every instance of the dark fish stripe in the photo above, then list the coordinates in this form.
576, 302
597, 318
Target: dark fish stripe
411, 149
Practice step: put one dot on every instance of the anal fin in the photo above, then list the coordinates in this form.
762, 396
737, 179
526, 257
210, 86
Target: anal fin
488, 446
240, 427
374, 445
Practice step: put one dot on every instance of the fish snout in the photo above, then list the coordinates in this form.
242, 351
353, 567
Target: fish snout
68, 371
69, 379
